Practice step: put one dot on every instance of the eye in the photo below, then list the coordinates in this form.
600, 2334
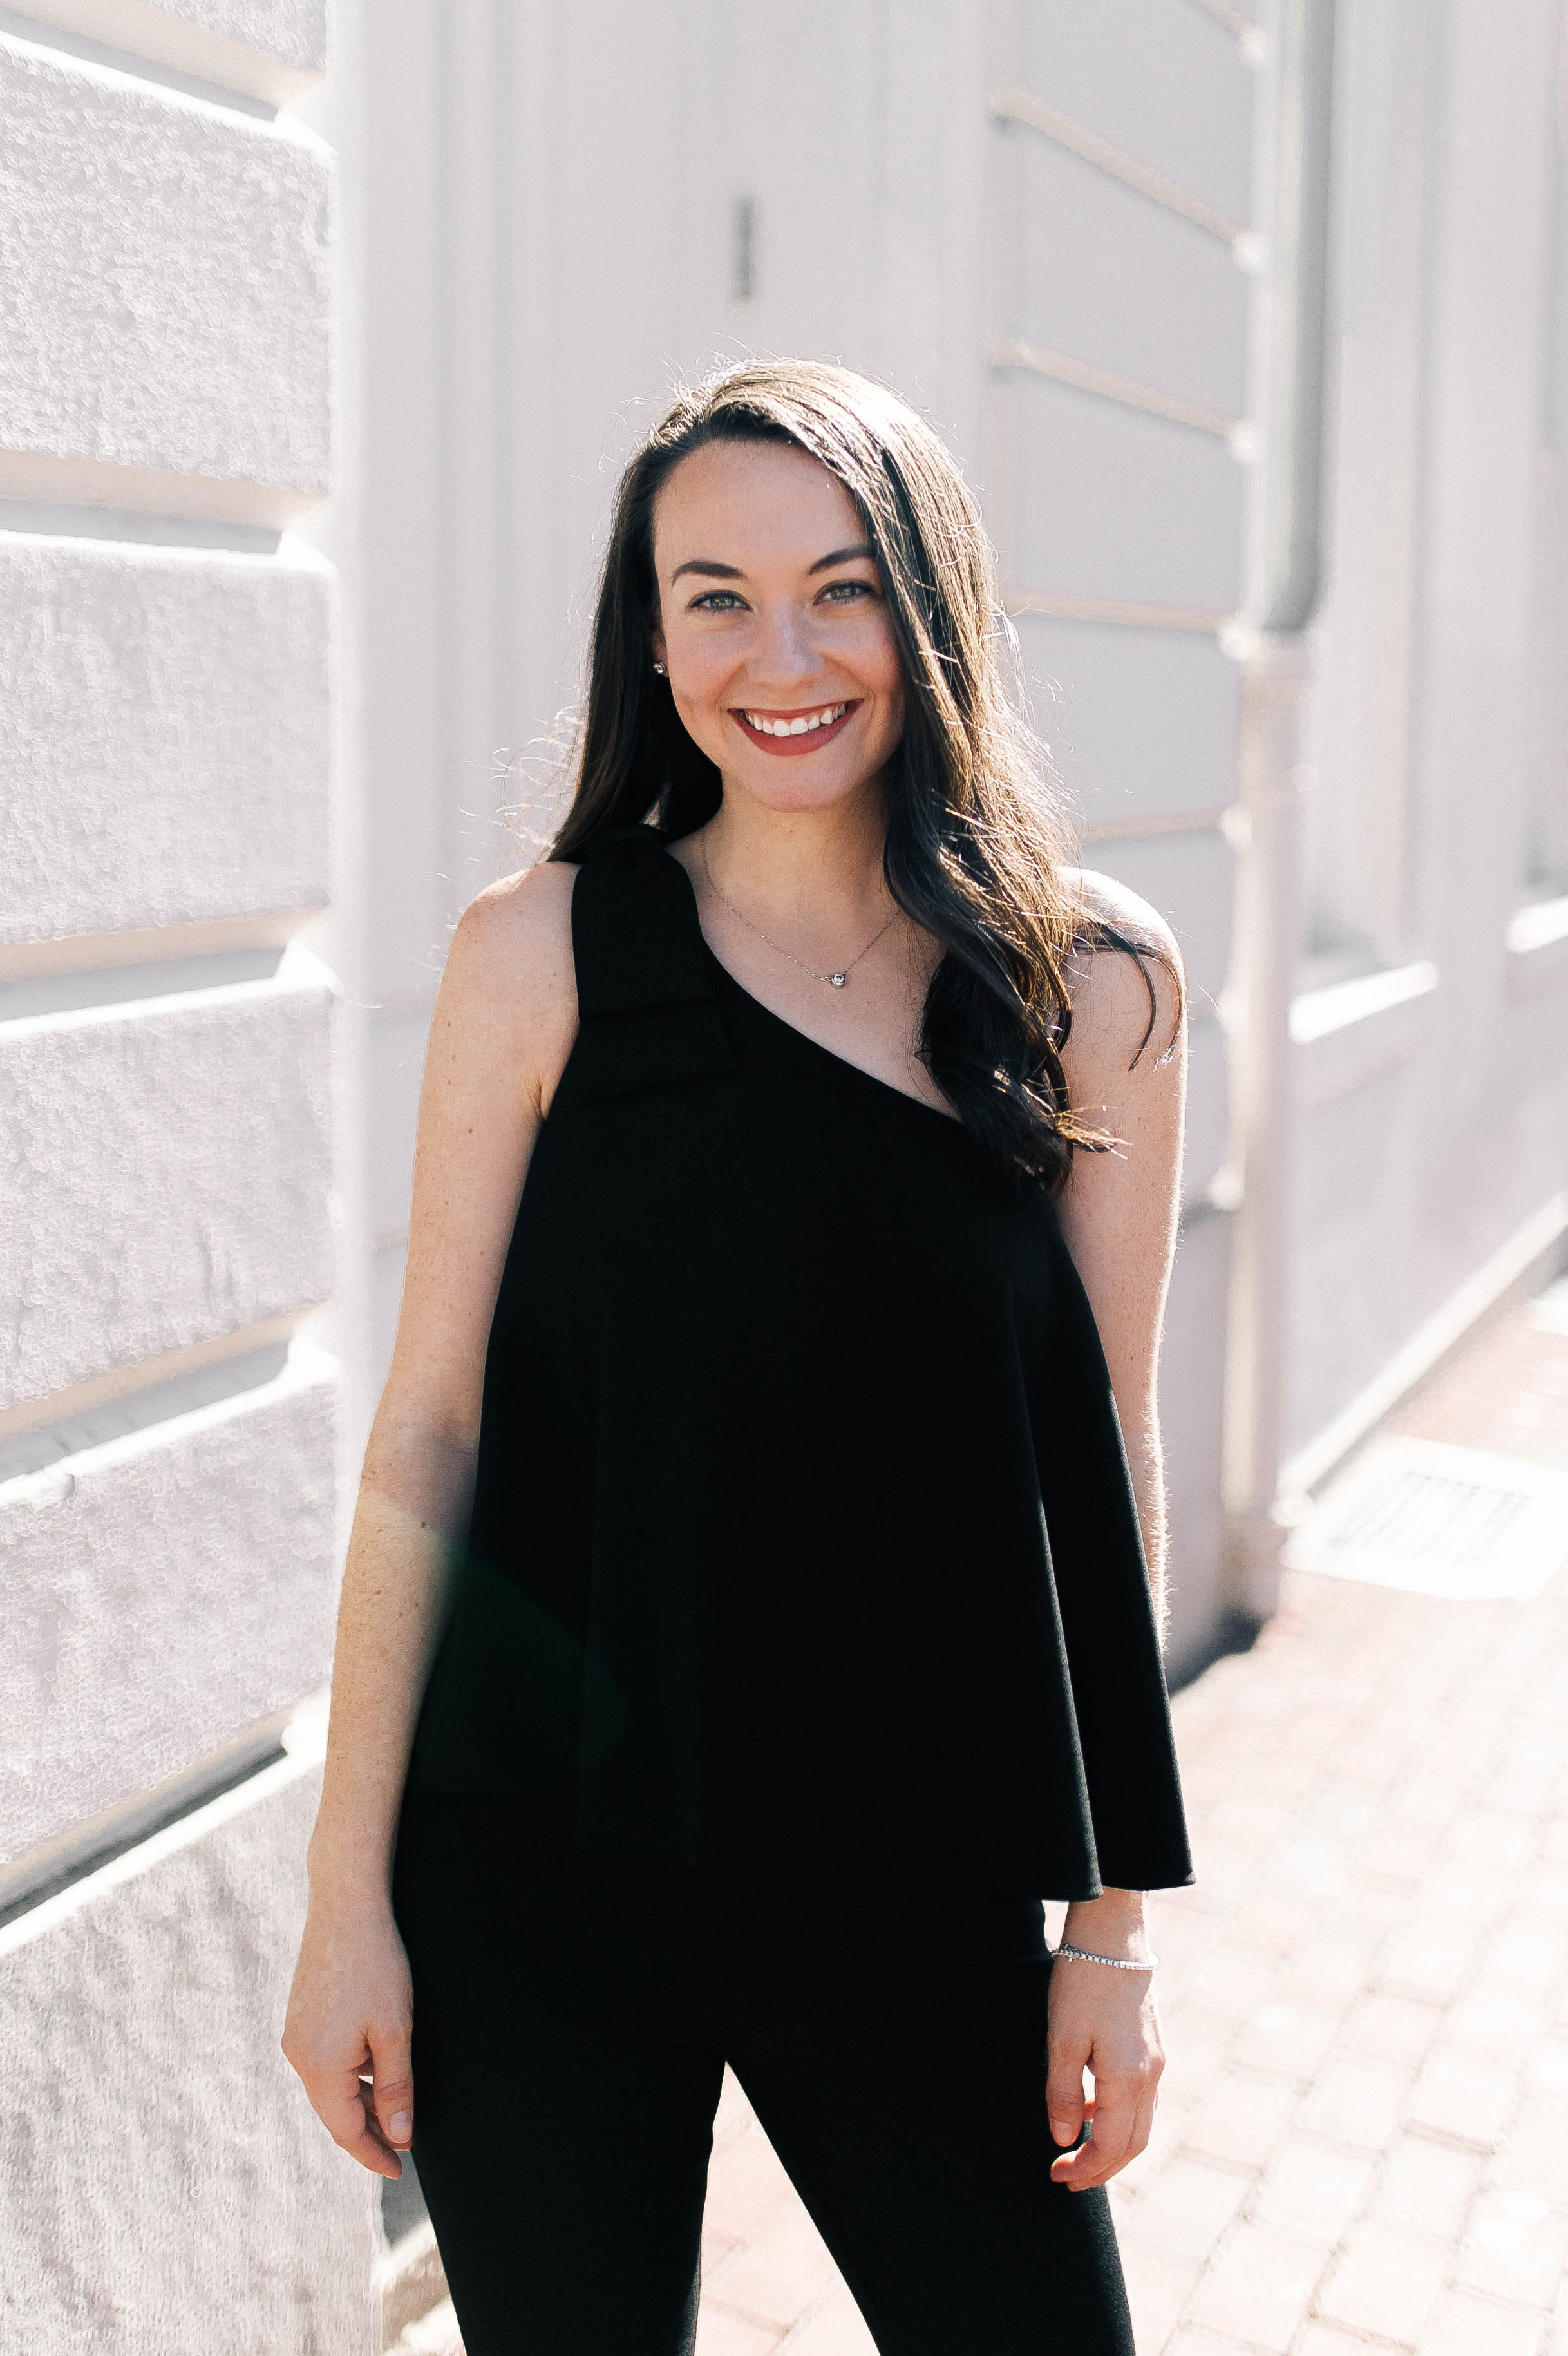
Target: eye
846, 593
717, 601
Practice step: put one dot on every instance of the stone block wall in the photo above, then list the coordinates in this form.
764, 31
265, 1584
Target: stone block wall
170, 353
169, 1420
269, 50
192, 1204
162, 2190
164, 730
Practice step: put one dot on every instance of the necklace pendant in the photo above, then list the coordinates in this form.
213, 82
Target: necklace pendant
838, 980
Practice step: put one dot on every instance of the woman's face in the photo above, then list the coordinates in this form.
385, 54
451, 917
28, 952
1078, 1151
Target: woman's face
782, 658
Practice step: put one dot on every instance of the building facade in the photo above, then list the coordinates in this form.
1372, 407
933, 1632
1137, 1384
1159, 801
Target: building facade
170, 1431
318, 366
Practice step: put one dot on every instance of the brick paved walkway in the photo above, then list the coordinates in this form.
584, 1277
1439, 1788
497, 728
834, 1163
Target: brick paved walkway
1362, 2142
1363, 2136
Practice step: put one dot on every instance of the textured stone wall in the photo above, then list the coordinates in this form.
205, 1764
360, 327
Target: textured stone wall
169, 1429
193, 1204
163, 734
292, 29
273, 48
165, 1591
179, 335
165, 2190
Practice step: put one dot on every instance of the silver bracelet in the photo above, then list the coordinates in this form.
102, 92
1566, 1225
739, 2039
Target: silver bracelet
1117, 1963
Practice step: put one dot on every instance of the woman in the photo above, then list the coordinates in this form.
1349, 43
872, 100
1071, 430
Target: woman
747, 1620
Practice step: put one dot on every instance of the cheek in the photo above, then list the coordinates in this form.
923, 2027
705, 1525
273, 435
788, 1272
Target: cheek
891, 685
700, 689
883, 669
701, 672
699, 679
894, 727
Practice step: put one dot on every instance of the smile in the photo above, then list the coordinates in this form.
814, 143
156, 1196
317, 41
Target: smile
796, 732
800, 725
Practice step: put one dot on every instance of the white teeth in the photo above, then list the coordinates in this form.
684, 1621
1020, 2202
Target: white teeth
799, 727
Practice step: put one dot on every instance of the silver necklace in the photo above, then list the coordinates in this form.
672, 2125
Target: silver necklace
834, 981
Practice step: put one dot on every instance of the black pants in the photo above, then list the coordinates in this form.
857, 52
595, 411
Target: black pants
572, 2017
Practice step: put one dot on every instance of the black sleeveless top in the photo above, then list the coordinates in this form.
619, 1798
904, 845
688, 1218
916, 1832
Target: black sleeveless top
803, 1527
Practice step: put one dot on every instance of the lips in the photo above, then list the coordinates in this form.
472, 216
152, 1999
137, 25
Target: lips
789, 733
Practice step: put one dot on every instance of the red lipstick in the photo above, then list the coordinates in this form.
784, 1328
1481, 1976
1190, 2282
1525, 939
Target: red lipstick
810, 740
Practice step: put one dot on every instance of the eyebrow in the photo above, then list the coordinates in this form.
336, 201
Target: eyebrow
843, 556
711, 568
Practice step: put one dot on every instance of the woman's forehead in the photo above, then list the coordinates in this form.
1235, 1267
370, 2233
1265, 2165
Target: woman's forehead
765, 498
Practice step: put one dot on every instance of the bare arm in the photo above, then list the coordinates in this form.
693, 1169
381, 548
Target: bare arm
1119, 1213
501, 1032
1119, 1210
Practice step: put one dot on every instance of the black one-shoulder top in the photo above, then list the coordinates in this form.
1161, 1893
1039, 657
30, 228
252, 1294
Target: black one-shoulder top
803, 1527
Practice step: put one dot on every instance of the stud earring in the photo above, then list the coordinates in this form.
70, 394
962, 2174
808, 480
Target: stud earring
661, 669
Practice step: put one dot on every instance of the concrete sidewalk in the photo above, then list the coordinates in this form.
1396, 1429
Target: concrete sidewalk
1364, 2135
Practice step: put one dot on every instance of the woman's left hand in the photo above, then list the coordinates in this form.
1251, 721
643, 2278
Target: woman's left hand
1105, 2022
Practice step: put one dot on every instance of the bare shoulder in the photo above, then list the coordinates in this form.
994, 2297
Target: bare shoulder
510, 987
1110, 902
1110, 990
513, 941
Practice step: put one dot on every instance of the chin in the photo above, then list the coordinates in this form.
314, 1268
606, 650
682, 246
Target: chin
787, 790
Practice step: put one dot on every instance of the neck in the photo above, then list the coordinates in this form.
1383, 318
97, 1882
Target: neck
825, 861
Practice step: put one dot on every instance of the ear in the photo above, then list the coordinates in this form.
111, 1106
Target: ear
659, 653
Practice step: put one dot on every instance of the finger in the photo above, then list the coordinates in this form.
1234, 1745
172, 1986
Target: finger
1068, 2166
1064, 2105
1143, 2126
370, 2152
338, 2100
1115, 2111
1065, 2160
392, 2074
1139, 2135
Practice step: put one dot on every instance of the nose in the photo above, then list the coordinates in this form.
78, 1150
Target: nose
783, 658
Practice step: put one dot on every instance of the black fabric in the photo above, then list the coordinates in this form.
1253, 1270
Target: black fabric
572, 2015
803, 1524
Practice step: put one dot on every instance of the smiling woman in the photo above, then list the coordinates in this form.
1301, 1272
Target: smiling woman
866, 548
715, 629
751, 1613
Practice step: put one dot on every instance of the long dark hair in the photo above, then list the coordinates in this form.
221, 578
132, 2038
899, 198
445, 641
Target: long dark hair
978, 845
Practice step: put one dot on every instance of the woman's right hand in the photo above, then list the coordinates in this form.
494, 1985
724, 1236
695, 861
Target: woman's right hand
350, 2020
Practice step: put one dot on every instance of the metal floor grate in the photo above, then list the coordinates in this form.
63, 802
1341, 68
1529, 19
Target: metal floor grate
1439, 1520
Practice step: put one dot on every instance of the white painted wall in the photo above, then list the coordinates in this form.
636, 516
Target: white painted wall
269, 50
199, 251
166, 1591
1117, 492
1435, 1127
162, 2187
164, 730
192, 1204
169, 1489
